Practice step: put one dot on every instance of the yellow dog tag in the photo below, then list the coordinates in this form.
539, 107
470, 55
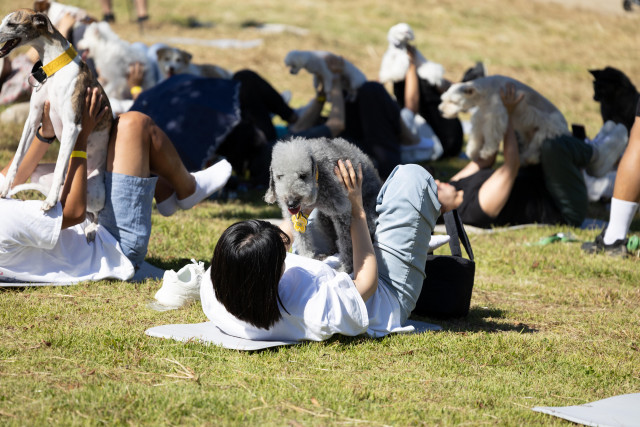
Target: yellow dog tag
299, 222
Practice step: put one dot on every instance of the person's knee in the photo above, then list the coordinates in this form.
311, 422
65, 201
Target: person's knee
551, 150
134, 121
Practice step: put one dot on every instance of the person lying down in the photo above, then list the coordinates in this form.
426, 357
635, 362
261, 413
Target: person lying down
256, 290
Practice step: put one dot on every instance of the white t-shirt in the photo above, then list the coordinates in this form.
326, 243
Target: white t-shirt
33, 248
321, 302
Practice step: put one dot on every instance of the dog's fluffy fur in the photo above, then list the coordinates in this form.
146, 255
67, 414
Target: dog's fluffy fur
65, 91
293, 185
617, 95
535, 118
395, 61
172, 61
112, 57
314, 62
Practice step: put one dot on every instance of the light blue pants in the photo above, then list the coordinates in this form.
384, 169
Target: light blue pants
407, 208
127, 213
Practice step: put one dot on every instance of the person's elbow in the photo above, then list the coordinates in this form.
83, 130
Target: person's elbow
73, 217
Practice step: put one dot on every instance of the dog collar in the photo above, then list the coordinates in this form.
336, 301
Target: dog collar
41, 73
299, 222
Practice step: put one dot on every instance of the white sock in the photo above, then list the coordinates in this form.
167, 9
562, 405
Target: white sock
620, 217
208, 181
168, 206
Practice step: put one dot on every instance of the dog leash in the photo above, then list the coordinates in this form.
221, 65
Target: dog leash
42, 73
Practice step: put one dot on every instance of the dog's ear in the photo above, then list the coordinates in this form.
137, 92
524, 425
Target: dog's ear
270, 195
186, 56
41, 5
41, 21
160, 52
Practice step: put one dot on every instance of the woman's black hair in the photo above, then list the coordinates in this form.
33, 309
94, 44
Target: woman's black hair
247, 264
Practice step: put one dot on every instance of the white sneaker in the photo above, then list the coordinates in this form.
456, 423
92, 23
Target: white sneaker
182, 287
608, 146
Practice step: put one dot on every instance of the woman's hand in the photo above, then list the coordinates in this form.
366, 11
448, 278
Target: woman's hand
411, 53
509, 98
352, 182
47, 131
92, 112
335, 63
135, 77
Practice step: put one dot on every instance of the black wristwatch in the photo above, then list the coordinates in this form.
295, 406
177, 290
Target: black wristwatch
42, 138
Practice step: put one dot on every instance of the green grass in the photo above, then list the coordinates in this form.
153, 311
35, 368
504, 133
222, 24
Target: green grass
548, 325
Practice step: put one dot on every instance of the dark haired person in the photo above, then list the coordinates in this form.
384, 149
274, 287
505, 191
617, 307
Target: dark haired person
256, 290
552, 192
142, 163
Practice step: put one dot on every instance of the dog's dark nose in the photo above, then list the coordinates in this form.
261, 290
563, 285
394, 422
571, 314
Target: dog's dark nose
293, 203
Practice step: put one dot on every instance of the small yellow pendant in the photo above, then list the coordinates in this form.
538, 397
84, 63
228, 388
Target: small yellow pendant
299, 222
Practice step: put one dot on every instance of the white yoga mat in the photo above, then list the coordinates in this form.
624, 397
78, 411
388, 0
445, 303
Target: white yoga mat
146, 271
622, 410
207, 333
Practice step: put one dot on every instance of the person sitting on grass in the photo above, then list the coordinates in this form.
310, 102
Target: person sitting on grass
626, 198
50, 246
256, 290
552, 192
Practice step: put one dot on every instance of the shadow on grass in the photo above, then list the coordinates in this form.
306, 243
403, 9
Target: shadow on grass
481, 319
173, 263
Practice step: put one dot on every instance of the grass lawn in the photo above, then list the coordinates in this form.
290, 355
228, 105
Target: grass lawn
549, 326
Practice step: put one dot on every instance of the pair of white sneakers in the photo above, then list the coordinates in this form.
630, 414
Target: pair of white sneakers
181, 288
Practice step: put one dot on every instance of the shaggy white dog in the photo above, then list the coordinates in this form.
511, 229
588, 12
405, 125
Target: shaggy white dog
395, 61
535, 118
314, 62
112, 57
172, 61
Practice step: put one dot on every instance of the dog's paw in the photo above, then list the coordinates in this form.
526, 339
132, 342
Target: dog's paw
90, 232
48, 203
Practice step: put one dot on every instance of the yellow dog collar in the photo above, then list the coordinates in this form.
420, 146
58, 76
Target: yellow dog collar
299, 222
54, 66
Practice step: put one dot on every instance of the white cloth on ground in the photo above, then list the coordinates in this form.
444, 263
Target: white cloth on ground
33, 247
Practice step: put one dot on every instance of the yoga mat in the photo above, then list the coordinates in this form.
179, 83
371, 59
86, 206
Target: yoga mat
208, 333
622, 410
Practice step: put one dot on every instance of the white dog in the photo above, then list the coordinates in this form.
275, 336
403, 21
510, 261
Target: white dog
112, 57
64, 86
395, 61
314, 62
535, 118
172, 61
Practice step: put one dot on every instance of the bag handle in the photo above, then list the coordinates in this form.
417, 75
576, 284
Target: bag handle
455, 229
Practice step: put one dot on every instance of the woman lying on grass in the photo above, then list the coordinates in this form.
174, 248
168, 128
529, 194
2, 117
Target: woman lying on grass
38, 246
256, 290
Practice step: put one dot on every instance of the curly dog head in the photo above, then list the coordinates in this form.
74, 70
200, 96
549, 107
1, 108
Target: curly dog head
293, 181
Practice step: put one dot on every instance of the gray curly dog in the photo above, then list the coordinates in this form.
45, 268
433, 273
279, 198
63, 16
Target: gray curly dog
302, 177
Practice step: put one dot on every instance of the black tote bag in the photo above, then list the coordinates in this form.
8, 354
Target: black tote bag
446, 291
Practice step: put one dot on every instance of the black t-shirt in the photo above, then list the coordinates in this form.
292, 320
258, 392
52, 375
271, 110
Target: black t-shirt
638, 109
529, 201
